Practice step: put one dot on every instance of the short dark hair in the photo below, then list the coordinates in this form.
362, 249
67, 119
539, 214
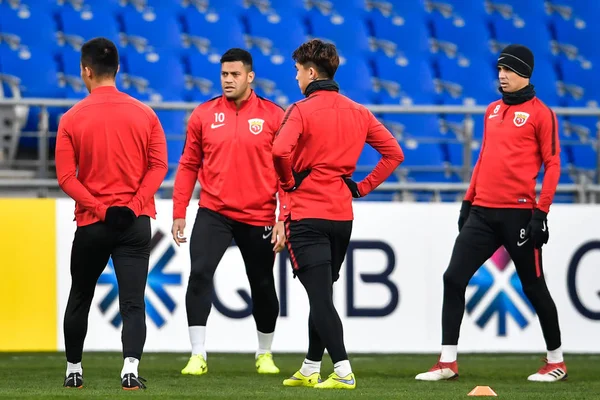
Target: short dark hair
101, 56
237, 54
323, 56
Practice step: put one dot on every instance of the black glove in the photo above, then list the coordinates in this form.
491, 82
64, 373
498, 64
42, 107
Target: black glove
298, 178
353, 188
119, 218
537, 229
465, 209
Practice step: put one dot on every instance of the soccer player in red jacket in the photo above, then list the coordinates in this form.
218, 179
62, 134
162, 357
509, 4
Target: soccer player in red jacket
315, 153
500, 209
228, 149
111, 158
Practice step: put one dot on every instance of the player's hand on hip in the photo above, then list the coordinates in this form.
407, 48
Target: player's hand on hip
298, 178
537, 229
353, 186
278, 237
177, 231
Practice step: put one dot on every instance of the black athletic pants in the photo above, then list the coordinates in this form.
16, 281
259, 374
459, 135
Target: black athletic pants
484, 232
93, 245
317, 250
211, 236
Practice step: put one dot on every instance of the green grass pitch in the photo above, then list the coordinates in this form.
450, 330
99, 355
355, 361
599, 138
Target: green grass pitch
232, 376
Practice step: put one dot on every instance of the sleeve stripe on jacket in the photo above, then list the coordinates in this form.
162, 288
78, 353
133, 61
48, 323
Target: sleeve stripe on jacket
553, 130
285, 118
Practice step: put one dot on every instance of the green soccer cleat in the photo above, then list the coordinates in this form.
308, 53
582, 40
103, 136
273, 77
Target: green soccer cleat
265, 364
336, 382
298, 379
195, 366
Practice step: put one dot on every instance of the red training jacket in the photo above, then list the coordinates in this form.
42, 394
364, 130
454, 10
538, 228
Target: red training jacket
110, 151
517, 140
229, 152
326, 132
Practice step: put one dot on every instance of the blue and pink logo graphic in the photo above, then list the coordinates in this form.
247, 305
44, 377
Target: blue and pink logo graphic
503, 294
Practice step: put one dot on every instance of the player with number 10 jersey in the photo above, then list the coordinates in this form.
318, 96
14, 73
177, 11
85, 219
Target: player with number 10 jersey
228, 150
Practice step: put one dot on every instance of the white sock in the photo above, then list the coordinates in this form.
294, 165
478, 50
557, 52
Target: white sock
555, 356
265, 340
73, 368
448, 353
197, 338
130, 366
342, 368
309, 367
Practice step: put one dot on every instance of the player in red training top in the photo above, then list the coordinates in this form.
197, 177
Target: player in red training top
315, 153
111, 158
228, 149
500, 209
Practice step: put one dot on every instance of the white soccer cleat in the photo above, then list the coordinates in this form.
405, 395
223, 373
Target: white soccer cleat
440, 372
551, 372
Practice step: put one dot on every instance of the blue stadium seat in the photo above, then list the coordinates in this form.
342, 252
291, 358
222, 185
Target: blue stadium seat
545, 81
205, 72
580, 81
156, 28
347, 32
583, 129
424, 161
355, 79
214, 32
299, 7
36, 68
369, 157
415, 126
265, 31
469, 37
46, 6
276, 77
174, 124
79, 26
26, 79
391, 35
532, 33
468, 79
17, 26
516, 9
456, 155
233, 7
405, 79
152, 68
584, 156
578, 31
459, 11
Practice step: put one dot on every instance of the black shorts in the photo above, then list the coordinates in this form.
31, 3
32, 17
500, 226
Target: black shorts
316, 242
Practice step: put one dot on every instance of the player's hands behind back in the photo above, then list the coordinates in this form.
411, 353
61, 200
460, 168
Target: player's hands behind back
278, 237
177, 231
119, 218
537, 229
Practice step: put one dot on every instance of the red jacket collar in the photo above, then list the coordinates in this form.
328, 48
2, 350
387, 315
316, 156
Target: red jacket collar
244, 104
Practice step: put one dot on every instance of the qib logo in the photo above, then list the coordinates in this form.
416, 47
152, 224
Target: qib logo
157, 281
502, 291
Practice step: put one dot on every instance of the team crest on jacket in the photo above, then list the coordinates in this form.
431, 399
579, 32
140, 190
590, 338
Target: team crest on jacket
520, 118
256, 125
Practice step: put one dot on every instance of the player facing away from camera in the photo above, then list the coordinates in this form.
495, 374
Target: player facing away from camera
500, 209
315, 153
228, 149
111, 158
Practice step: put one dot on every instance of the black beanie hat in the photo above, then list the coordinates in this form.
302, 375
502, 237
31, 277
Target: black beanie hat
517, 58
